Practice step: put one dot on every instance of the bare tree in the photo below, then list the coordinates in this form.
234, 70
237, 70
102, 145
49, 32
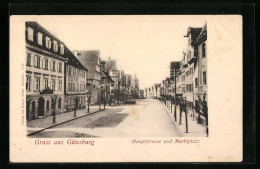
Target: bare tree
54, 101
28, 102
202, 109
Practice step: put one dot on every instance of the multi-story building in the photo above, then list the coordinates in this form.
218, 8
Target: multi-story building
200, 75
106, 82
45, 58
128, 83
75, 83
189, 63
91, 60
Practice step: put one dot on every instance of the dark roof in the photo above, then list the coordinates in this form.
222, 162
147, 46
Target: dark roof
105, 74
39, 27
203, 35
110, 65
194, 33
89, 59
72, 60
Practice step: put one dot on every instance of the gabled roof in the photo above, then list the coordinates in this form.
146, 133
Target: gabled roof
72, 60
203, 35
106, 75
89, 59
39, 27
194, 33
110, 65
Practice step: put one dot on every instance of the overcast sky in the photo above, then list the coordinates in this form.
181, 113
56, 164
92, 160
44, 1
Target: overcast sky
143, 45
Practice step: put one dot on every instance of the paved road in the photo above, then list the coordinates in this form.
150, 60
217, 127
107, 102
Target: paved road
147, 118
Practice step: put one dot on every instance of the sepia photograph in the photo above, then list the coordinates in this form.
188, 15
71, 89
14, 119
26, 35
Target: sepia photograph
84, 82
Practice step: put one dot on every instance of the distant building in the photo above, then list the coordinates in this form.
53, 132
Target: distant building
200, 75
91, 60
45, 60
75, 83
106, 82
189, 62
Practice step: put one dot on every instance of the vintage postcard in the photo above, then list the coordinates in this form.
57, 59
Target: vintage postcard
126, 88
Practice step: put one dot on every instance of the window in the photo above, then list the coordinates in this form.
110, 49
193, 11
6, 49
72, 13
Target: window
59, 103
28, 83
53, 66
48, 105
204, 78
28, 59
77, 87
69, 70
33, 107
46, 82
39, 38
189, 55
73, 86
61, 48
191, 70
53, 84
37, 84
60, 85
203, 50
55, 46
52, 103
183, 77
30, 34
46, 64
48, 42
59, 67
72, 71
196, 82
37, 61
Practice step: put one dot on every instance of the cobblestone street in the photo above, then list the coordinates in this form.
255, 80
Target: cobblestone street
147, 118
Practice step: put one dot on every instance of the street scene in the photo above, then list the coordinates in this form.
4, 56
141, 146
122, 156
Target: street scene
132, 79
147, 118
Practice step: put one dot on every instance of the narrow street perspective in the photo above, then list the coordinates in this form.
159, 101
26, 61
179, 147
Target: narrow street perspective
125, 84
146, 118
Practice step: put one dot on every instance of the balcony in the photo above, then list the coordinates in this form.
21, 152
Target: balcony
47, 91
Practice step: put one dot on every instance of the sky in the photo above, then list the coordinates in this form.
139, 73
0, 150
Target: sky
143, 45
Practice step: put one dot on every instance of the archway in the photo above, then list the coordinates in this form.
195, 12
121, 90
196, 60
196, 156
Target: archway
41, 106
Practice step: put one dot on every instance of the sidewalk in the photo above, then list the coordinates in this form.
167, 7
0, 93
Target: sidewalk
48, 121
194, 129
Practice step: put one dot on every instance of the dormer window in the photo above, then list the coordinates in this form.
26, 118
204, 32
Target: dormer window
30, 34
39, 38
62, 49
55, 44
48, 42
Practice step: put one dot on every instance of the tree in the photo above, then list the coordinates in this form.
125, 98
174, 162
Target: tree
76, 106
183, 107
54, 100
156, 88
28, 102
202, 109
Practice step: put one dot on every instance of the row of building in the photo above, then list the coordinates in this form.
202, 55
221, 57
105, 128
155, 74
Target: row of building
189, 75
60, 79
